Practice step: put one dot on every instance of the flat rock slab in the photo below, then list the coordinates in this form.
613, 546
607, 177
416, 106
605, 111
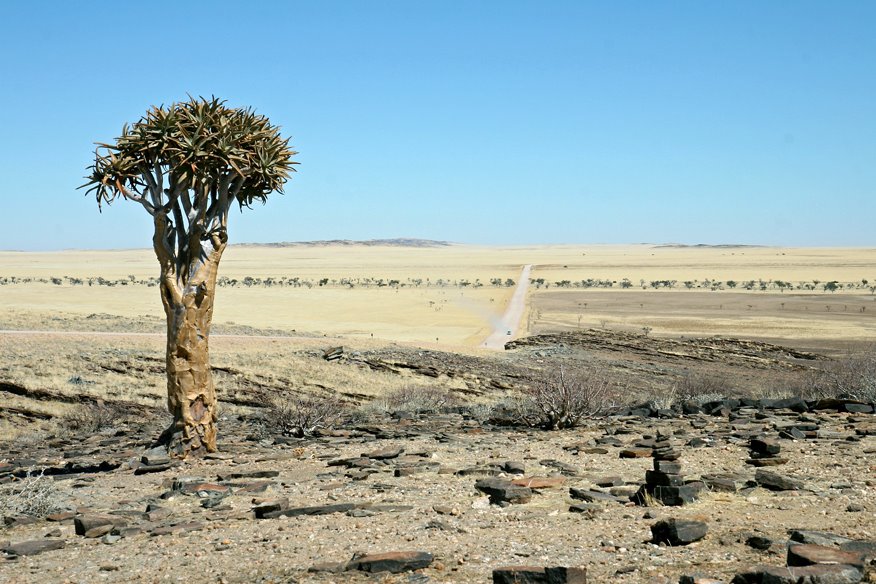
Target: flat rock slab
178, 528
820, 574
85, 524
250, 474
33, 547
502, 490
539, 575
591, 496
384, 454
635, 453
539, 482
393, 562
678, 531
807, 554
776, 482
313, 510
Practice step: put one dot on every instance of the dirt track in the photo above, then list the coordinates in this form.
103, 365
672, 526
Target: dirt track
507, 326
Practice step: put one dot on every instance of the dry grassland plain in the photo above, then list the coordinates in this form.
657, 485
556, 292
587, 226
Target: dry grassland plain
443, 296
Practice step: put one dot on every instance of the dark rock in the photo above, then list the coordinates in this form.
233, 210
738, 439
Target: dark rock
817, 537
762, 462
820, 574
589, 510
678, 531
856, 408
764, 446
566, 469
759, 542
85, 523
667, 466
591, 496
313, 510
33, 547
654, 477
251, 474
393, 562
150, 468
539, 575
479, 471
514, 467
502, 490
670, 496
776, 482
796, 404
385, 453
723, 483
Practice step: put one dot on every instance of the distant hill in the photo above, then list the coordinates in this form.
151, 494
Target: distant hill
707, 246
397, 242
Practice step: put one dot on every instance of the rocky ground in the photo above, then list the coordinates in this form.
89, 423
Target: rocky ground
445, 498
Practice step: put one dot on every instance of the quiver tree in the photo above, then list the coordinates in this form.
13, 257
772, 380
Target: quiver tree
187, 164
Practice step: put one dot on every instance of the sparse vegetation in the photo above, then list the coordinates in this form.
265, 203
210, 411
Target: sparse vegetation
852, 377
303, 415
91, 418
565, 399
35, 495
414, 399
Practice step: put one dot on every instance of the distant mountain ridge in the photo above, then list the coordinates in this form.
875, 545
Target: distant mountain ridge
397, 242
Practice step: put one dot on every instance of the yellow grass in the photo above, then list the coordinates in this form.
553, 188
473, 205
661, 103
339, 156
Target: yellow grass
461, 316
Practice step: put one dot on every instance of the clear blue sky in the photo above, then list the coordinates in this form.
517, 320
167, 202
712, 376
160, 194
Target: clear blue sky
495, 122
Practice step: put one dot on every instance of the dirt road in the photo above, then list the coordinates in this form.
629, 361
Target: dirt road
505, 330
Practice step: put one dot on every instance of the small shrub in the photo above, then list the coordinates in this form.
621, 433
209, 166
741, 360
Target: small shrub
93, 417
417, 399
564, 400
303, 415
36, 495
699, 388
852, 377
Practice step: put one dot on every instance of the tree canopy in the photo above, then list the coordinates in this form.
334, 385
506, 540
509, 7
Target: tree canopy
187, 163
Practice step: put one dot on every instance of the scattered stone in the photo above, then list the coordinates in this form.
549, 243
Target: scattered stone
384, 454
178, 528
759, 542
807, 554
678, 531
819, 574
313, 510
775, 481
635, 453
591, 496
538, 483
502, 490
514, 467
539, 575
393, 562
33, 547
88, 523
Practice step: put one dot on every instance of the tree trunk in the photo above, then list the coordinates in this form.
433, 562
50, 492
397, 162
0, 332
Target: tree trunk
191, 396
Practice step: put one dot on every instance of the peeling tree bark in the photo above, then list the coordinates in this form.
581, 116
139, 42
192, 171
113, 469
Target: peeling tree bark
191, 395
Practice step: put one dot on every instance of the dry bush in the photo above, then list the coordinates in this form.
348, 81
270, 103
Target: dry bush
699, 388
564, 400
35, 495
852, 377
92, 418
414, 399
303, 415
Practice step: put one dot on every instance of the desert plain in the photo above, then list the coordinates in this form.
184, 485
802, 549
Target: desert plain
83, 332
